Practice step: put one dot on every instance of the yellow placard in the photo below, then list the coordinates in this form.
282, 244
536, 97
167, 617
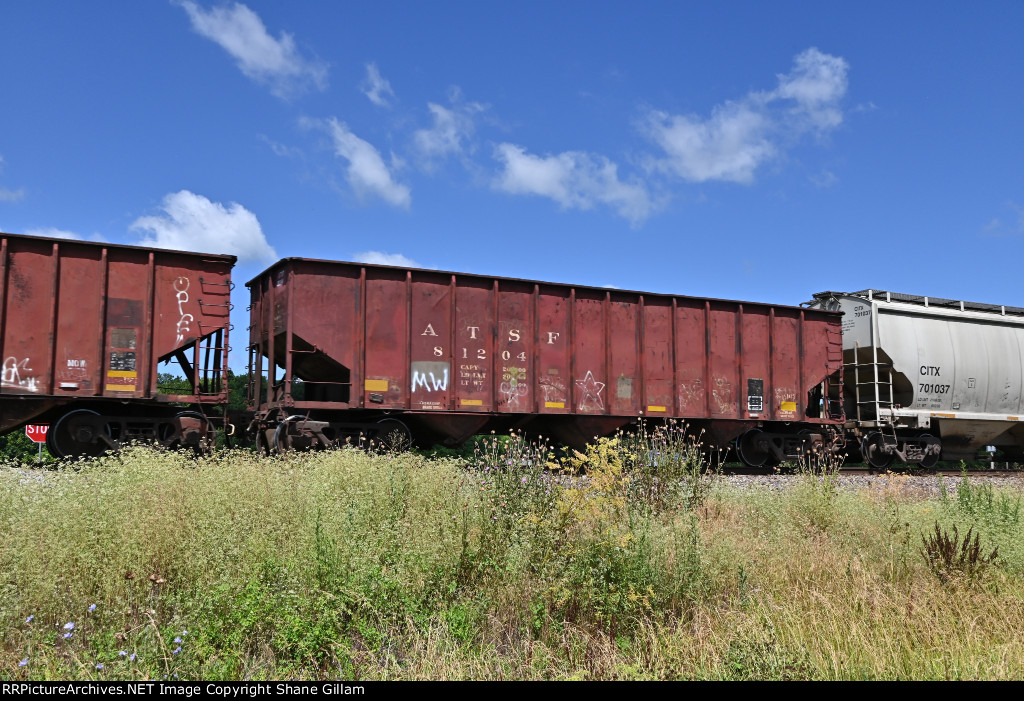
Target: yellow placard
656, 408
471, 402
787, 406
121, 380
554, 405
376, 385
1013, 418
945, 416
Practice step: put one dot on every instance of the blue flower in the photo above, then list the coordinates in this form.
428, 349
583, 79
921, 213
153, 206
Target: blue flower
92, 607
23, 663
67, 635
29, 619
70, 625
122, 653
176, 650
131, 658
99, 665
177, 640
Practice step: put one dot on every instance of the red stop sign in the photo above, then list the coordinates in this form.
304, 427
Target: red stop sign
37, 432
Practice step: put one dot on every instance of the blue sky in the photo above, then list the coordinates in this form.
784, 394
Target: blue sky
761, 151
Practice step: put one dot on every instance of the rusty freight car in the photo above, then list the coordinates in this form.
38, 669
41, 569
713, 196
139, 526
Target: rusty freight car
343, 349
82, 328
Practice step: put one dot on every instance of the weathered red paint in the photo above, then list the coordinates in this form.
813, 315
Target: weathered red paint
83, 320
456, 353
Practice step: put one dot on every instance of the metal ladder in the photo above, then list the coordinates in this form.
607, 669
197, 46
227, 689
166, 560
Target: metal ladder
873, 385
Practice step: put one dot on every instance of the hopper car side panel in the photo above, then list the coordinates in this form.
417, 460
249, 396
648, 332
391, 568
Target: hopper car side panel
454, 354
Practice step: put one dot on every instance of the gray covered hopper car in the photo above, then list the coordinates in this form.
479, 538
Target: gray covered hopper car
926, 378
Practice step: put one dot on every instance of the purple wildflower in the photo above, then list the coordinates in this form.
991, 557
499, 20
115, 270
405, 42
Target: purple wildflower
99, 665
23, 663
92, 607
122, 653
177, 640
29, 619
176, 650
70, 625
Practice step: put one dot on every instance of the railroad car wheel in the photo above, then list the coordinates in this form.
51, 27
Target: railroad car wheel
73, 435
393, 437
931, 460
871, 449
197, 432
289, 435
752, 448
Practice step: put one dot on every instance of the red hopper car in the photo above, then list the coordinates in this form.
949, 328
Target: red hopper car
83, 328
340, 349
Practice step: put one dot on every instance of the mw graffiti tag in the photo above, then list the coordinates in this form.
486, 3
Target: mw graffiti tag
430, 376
185, 320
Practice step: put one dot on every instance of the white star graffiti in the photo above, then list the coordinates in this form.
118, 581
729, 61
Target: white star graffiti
591, 391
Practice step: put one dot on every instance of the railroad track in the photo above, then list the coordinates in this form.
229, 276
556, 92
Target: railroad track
850, 471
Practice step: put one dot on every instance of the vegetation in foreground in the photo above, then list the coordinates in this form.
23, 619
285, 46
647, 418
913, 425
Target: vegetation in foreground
349, 565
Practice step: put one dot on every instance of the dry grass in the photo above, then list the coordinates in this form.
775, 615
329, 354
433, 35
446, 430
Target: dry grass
348, 565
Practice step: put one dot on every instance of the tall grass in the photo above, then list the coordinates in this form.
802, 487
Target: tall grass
631, 560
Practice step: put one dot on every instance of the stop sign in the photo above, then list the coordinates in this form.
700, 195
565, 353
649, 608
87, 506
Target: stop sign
37, 432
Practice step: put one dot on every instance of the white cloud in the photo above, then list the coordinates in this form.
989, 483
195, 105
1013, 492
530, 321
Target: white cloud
264, 59
381, 258
999, 228
727, 146
816, 84
280, 149
376, 87
825, 178
741, 135
574, 179
193, 223
367, 172
9, 195
452, 128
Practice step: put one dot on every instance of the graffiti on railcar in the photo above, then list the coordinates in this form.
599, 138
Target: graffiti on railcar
722, 393
691, 395
181, 285
430, 376
14, 375
513, 386
785, 400
591, 393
